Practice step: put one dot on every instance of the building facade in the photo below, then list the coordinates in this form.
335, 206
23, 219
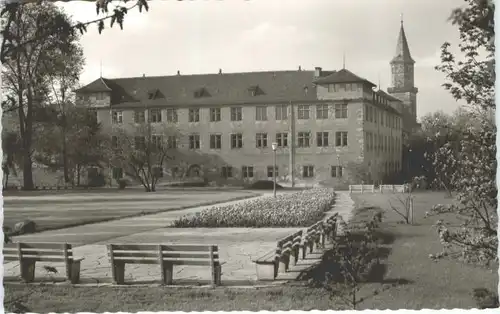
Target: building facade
323, 122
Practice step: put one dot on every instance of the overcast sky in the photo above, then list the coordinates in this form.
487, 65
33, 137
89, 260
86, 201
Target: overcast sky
201, 36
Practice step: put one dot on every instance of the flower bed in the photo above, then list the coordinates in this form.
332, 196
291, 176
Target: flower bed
298, 209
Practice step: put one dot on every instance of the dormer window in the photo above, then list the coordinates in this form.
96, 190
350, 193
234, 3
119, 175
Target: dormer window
152, 94
255, 91
201, 92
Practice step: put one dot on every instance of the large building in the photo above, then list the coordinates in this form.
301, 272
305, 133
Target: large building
324, 123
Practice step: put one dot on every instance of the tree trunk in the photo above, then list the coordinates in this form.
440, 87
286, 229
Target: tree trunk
28, 184
6, 175
78, 175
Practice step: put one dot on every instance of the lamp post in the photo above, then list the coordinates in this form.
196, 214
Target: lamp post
274, 146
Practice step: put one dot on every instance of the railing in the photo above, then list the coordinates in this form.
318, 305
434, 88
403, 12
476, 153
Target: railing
383, 188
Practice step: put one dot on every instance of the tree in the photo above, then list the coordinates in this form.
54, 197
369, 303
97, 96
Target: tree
28, 71
473, 169
115, 14
142, 153
61, 118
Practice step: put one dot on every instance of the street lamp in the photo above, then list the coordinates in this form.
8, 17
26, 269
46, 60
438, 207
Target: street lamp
274, 146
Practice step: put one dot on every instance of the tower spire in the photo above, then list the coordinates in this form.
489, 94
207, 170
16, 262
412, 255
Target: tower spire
343, 61
100, 69
402, 49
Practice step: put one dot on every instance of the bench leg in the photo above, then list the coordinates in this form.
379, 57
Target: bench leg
27, 270
323, 235
74, 272
118, 273
311, 246
216, 275
295, 255
168, 274
303, 248
284, 262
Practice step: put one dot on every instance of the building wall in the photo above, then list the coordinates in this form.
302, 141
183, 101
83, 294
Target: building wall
322, 158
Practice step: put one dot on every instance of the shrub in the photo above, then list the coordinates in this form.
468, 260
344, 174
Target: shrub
264, 185
122, 184
289, 210
97, 181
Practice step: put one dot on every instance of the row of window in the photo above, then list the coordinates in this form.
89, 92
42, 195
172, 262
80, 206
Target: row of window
304, 139
236, 114
247, 172
375, 115
382, 143
345, 87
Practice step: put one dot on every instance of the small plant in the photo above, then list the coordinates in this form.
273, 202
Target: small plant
356, 253
485, 299
407, 211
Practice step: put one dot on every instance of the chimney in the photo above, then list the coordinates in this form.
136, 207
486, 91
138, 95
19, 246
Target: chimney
178, 72
220, 71
143, 75
317, 72
300, 68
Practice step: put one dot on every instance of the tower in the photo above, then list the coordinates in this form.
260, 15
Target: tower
403, 85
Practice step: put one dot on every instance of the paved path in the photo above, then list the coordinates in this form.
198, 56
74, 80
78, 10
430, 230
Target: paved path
237, 246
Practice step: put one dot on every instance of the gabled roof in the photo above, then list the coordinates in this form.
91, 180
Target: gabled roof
402, 49
98, 85
342, 76
222, 88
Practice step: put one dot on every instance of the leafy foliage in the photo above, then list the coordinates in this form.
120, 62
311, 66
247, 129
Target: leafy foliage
28, 72
470, 162
113, 11
286, 210
356, 253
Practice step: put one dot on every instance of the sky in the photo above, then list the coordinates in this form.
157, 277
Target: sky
203, 36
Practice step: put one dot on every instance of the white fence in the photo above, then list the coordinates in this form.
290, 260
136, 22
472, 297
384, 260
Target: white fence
362, 188
384, 188
393, 188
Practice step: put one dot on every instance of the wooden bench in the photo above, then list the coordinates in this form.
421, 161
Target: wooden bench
278, 260
312, 236
29, 253
166, 256
329, 229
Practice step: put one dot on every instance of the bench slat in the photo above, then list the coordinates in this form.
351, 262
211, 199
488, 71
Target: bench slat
47, 246
45, 253
46, 259
171, 254
169, 247
167, 261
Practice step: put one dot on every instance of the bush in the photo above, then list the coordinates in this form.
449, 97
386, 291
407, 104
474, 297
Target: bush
97, 181
264, 185
122, 184
192, 184
298, 209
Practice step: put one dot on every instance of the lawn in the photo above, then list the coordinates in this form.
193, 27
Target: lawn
413, 280
55, 211
59, 299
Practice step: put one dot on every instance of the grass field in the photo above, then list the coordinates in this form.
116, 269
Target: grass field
55, 211
410, 280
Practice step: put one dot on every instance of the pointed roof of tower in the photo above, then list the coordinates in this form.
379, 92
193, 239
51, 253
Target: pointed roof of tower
402, 49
